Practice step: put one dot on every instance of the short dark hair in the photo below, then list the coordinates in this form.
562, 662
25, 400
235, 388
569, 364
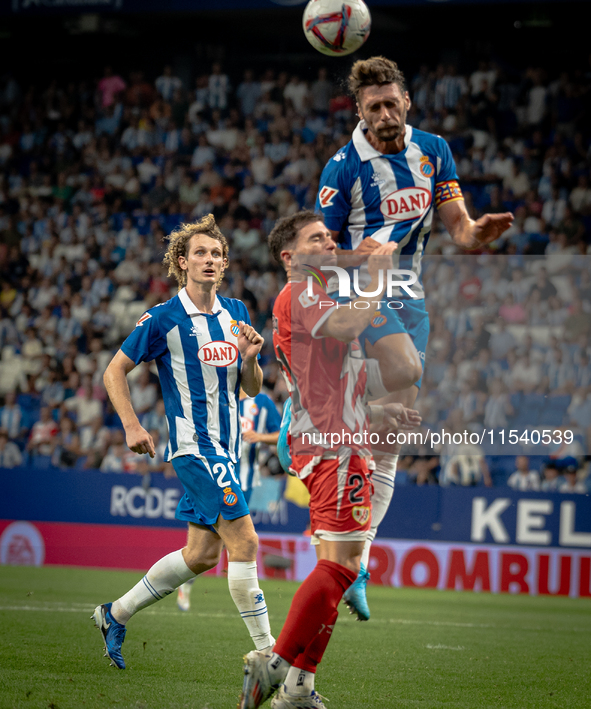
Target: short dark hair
375, 71
286, 230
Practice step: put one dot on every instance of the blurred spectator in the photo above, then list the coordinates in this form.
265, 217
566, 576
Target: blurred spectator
571, 485
66, 444
42, 434
524, 479
167, 84
84, 406
10, 455
11, 417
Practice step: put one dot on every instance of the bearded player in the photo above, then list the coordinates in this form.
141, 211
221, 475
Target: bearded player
382, 187
316, 344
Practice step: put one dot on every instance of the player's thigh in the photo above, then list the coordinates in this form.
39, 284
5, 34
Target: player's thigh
397, 338
239, 537
345, 553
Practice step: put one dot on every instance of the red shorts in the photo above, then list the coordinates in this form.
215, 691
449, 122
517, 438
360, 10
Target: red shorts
340, 496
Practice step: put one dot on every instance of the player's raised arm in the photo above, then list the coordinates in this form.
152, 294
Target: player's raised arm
115, 380
469, 233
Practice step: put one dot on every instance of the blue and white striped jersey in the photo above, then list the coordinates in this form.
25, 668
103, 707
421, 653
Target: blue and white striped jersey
256, 414
388, 197
199, 367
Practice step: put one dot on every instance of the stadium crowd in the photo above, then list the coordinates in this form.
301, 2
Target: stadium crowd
93, 177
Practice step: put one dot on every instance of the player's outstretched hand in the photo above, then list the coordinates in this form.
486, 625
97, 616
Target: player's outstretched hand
380, 258
489, 227
140, 441
397, 417
250, 342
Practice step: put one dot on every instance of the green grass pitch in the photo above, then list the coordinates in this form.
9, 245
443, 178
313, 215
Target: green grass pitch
421, 648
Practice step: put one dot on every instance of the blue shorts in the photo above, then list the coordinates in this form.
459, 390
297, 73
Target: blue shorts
212, 488
412, 318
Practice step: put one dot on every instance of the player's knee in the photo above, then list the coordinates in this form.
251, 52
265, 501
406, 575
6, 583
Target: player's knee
402, 373
244, 548
200, 560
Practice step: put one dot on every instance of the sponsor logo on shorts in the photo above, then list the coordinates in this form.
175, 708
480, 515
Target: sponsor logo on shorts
230, 497
142, 320
234, 329
426, 167
378, 319
326, 196
218, 353
361, 515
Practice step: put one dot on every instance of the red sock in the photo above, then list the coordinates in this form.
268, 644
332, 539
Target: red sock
312, 610
310, 658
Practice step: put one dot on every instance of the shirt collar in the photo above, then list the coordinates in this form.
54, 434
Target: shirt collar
367, 151
191, 309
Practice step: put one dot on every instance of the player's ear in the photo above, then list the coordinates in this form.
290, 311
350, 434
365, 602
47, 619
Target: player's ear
407, 101
182, 263
286, 258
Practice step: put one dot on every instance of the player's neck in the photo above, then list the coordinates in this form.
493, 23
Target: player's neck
202, 295
386, 147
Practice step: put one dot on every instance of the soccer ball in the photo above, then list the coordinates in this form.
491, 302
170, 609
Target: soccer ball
336, 27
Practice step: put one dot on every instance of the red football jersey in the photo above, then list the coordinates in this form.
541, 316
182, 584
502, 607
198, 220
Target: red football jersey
326, 377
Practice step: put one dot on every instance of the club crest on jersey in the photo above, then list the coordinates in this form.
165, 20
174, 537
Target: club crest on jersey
326, 196
361, 515
426, 168
218, 353
234, 329
142, 320
378, 319
230, 497
407, 203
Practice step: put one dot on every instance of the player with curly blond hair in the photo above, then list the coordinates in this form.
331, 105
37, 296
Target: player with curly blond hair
205, 349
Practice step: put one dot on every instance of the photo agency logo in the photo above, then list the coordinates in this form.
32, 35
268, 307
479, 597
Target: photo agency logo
394, 280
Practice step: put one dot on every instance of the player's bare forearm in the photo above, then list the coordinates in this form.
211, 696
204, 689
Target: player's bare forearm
255, 437
115, 380
251, 377
468, 233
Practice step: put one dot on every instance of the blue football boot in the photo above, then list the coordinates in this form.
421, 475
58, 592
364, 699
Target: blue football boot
283, 452
113, 634
355, 596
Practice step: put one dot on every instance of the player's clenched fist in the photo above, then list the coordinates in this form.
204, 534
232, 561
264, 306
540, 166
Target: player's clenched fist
250, 342
140, 441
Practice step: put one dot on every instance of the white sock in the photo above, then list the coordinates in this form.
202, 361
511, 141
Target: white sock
299, 683
167, 574
383, 478
278, 668
244, 588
